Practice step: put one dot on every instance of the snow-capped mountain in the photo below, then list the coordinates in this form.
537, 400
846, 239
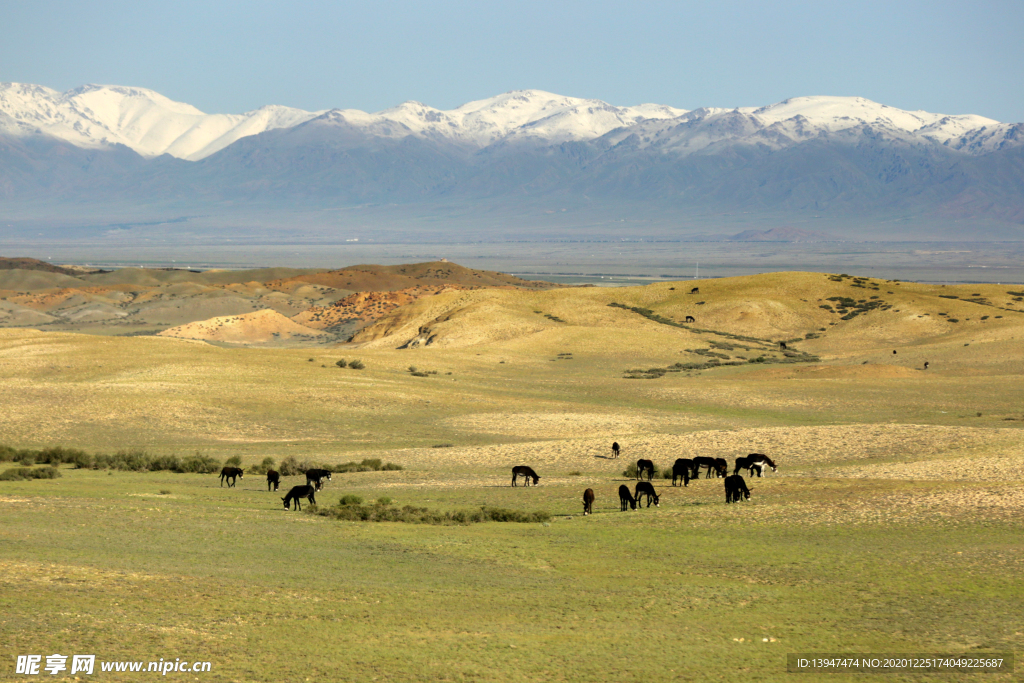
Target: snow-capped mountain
826, 158
95, 116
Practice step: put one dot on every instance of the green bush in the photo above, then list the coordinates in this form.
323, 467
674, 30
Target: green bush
199, 464
24, 473
234, 461
355, 512
263, 467
342, 363
356, 365
630, 471
384, 500
289, 467
350, 499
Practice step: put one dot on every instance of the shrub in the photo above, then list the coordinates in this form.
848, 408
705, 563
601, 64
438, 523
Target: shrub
23, 473
289, 467
342, 363
414, 515
8, 453
233, 461
356, 365
391, 467
384, 500
165, 492
199, 464
420, 374
263, 467
164, 462
412, 368
576, 473
83, 461
350, 499
630, 471
442, 445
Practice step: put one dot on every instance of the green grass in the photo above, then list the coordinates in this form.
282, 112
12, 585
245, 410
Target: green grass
226, 575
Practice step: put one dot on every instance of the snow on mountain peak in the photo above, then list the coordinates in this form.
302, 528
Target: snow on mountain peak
151, 124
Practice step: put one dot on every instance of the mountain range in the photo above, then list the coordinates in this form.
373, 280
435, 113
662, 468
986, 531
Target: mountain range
522, 164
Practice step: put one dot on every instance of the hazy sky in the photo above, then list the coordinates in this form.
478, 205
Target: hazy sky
953, 58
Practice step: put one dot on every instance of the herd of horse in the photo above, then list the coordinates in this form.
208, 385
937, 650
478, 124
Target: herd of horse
683, 469
315, 479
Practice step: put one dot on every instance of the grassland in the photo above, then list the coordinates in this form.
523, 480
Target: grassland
892, 525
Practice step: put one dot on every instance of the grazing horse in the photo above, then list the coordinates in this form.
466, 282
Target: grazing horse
926, 365
273, 479
734, 487
524, 471
713, 465
615, 449
681, 469
644, 466
646, 488
625, 497
758, 461
297, 493
230, 473
588, 502
695, 290
721, 467
782, 345
316, 478
690, 319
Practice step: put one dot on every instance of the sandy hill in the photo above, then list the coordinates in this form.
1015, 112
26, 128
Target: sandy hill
364, 307
12, 281
261, 327
812, 312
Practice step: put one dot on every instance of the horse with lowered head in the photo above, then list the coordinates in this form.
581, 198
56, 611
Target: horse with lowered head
681, 469
297, 493
735, 488
526, 472
714, 465
754, 463
626, 498
273, 479
588, 502
230, 473
646, 488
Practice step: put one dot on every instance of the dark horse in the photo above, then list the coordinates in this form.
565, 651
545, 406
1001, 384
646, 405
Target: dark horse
297, 493
626, 498
646, 488
644, 466
316, 478
711, 463
690, 319
273, 480
735, 488
754, 463
588, 502
524, 471
615, 449
230, 473
695, 290
681, 469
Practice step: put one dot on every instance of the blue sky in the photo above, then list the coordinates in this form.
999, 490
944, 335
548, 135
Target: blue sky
954, 58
